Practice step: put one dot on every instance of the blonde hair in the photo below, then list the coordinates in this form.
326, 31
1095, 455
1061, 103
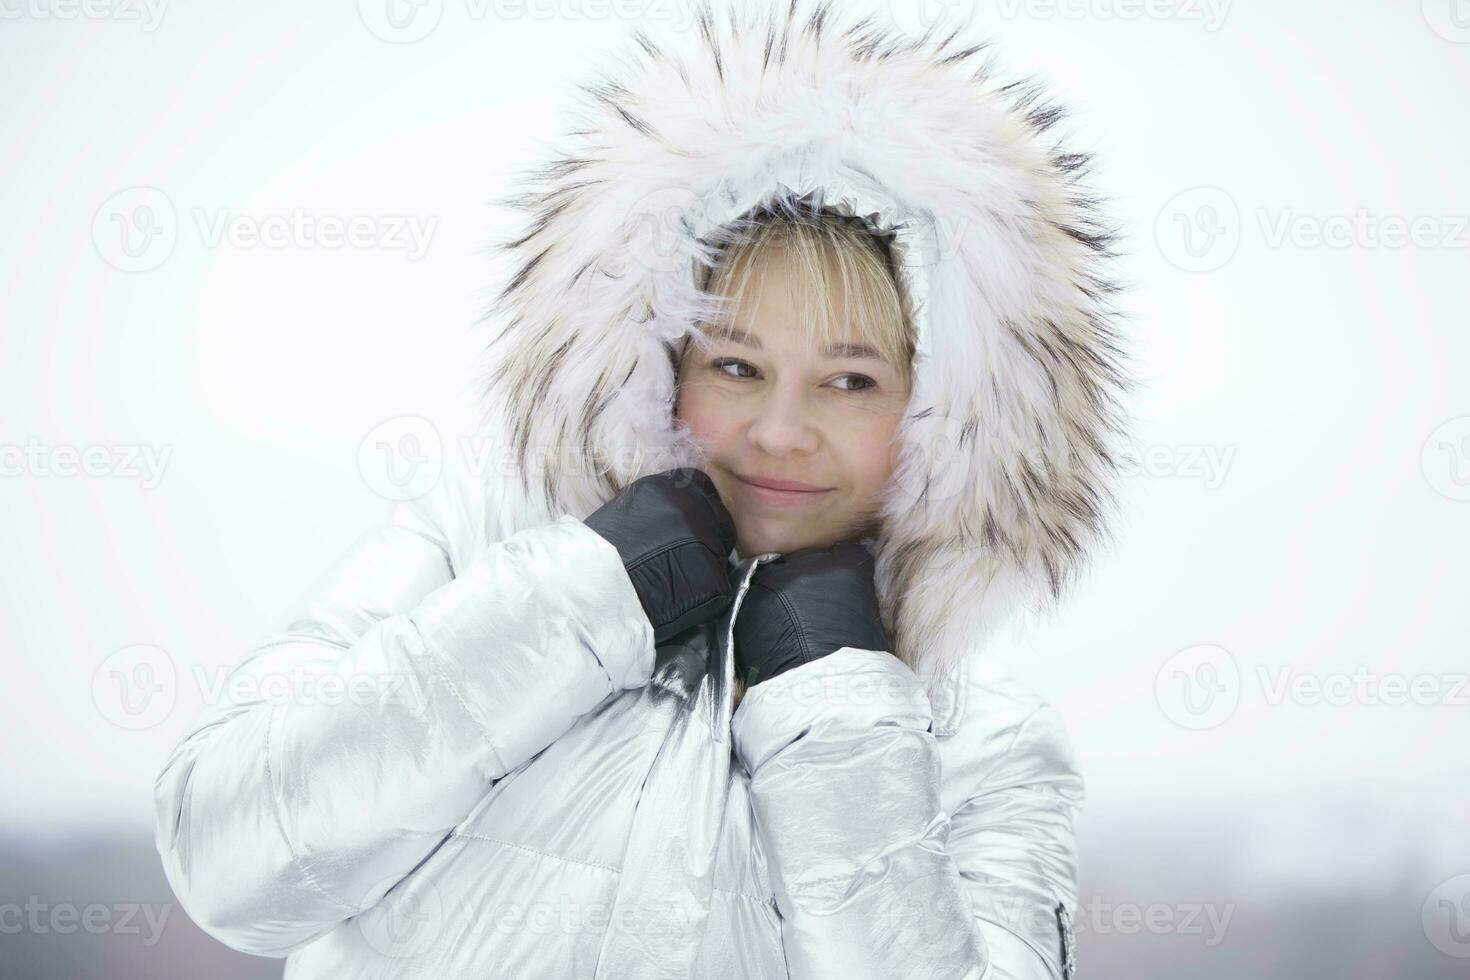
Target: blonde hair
842, 268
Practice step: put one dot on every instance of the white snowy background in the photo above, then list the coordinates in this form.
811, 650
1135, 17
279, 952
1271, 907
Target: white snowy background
1264, 675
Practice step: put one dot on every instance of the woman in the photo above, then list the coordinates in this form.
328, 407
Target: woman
792, 252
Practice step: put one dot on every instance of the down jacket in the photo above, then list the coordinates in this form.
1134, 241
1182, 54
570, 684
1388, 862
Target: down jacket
479, 764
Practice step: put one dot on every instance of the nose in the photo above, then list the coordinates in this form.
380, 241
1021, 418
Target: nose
783, 423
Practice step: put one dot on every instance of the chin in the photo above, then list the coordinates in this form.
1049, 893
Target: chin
775, 539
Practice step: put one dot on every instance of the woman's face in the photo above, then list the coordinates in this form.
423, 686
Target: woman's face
767, 407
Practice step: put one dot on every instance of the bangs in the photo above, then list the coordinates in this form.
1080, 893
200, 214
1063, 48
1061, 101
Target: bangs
845, 284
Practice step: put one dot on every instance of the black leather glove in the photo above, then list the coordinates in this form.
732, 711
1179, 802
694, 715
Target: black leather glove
674, 536
805, 605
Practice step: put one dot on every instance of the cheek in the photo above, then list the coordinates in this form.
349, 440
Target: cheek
703, 411
871, 455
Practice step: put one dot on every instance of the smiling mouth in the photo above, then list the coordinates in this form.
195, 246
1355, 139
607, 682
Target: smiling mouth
779, 496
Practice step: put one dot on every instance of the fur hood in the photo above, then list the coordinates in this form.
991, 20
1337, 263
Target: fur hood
1013, 429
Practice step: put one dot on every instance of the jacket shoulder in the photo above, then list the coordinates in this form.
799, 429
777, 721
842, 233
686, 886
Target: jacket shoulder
461, 514
422, 543
1002, 734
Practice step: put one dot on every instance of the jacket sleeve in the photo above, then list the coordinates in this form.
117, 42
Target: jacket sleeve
871, 878
343, 750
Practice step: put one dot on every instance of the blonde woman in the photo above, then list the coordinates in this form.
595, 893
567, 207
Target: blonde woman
806, 381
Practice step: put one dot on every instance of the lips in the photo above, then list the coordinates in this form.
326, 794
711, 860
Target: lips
780, 493
774, 484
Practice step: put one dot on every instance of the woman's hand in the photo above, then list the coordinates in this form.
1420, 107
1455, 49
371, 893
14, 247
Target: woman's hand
805, 605
674, 535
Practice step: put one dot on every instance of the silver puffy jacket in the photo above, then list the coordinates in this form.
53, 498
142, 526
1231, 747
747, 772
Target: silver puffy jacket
465, 759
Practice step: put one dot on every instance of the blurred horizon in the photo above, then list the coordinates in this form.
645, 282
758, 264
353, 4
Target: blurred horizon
1137, 914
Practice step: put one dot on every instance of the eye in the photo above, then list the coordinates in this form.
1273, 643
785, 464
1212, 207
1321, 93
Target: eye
720, 363
867, 382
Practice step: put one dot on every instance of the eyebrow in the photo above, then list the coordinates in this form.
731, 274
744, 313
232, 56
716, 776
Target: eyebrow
840, 349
